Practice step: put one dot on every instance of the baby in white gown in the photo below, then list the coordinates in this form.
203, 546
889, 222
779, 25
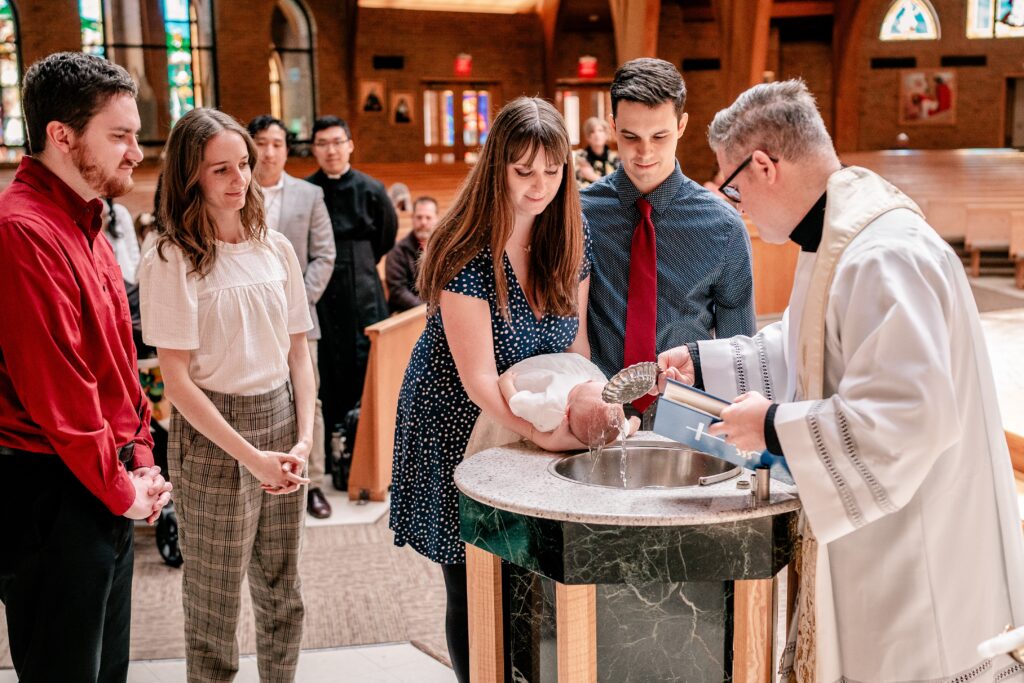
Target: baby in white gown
545, 390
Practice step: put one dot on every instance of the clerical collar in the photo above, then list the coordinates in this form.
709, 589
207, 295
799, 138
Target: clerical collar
808, 231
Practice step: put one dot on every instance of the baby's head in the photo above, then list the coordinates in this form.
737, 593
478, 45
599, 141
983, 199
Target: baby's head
591, 420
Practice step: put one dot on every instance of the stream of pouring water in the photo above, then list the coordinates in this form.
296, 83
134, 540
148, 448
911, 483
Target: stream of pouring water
624, 454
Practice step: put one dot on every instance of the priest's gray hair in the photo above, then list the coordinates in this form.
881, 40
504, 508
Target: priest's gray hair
779, 118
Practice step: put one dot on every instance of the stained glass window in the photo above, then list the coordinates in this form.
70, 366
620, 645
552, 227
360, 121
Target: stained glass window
93, 34
995, 19
12, 125
910, 20
167, 47
292, 94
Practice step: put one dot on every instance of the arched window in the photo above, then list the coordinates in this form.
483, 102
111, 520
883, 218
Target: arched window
94, 40
12, 124
995, 18
910, 20
292, 87
166, 45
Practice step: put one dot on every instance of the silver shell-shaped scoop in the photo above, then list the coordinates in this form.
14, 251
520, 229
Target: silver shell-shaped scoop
630, 384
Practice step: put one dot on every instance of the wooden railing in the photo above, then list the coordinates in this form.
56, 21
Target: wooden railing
391, 343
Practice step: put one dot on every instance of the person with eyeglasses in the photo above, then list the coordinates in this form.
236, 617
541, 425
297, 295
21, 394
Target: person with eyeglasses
365, 225
672, 263
876, 387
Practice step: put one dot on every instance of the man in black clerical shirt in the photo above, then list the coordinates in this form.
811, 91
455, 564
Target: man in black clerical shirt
364, 224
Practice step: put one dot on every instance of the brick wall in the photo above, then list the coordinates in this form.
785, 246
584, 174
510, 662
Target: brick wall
510, 50
679, 40
47, 26
980, 97
505, 48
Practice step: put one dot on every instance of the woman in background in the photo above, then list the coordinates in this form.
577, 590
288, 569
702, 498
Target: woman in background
224, 303
596, 159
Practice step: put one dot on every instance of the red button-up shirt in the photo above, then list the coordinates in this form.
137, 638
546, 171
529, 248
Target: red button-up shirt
69, 381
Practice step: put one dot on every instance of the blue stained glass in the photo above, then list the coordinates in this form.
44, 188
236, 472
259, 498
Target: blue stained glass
484, 110
180, 80
449, 118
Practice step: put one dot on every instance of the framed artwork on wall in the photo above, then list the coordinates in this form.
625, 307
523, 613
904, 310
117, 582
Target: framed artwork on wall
371, 96
403, 107
928, 97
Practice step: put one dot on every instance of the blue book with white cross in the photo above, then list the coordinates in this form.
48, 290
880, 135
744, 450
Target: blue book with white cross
685, 413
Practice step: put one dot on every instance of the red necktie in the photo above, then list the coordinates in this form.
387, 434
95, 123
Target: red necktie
642, 298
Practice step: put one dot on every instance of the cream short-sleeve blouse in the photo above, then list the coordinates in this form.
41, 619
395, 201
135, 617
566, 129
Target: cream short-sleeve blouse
235, 320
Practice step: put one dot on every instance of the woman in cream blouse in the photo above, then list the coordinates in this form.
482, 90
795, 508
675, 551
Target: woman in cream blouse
223, 301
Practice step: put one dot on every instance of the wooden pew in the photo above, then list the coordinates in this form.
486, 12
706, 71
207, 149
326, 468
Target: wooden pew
774, 267
1017, 246
988, 228
391, 343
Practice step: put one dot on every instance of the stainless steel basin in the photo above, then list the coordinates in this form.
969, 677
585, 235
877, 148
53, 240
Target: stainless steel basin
646, 464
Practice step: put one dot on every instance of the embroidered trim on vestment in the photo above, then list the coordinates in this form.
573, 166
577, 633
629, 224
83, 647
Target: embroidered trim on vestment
850, 448
843, 488
762, 359
1009, 671
962, 677
739, 367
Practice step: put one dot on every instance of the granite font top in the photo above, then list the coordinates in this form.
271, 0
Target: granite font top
516, 478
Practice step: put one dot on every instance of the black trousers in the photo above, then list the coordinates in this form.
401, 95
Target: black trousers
456, 624
65, 575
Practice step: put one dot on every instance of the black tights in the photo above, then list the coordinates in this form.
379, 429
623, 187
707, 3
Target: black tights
456, 622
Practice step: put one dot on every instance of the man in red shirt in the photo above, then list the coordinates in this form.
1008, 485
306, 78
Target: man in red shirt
75, 447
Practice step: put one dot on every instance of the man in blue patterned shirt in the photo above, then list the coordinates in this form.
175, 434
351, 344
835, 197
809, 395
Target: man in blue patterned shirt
672, 261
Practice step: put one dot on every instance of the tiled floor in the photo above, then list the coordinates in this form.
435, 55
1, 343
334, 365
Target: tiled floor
345, 511
392, 663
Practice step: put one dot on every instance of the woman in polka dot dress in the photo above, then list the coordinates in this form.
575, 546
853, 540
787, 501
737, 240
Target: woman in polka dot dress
505, 277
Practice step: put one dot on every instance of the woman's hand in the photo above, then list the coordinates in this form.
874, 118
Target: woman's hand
559, 439
276, 471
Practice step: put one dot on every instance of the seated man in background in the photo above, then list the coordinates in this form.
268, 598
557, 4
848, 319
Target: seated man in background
403, 262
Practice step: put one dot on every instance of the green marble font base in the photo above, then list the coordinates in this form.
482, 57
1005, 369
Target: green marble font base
664, 598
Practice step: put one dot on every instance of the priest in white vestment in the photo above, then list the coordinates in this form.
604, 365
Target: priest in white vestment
877, 388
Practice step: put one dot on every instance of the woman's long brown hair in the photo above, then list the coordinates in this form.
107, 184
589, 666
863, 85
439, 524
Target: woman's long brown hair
482, 214
187, 222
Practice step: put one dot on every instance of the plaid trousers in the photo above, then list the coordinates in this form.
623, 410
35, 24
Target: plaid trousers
228, 526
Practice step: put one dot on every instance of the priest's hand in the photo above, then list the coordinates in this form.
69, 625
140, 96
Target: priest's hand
677, 365
742, 423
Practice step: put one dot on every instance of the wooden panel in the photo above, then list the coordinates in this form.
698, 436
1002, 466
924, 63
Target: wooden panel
483, 595
576, 617
774, 266
753, 611
636, 28
391, 343
802, 8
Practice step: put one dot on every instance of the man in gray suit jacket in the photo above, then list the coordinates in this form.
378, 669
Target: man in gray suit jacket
296, 209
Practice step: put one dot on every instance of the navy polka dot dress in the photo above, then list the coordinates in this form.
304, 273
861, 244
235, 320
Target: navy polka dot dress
435, 416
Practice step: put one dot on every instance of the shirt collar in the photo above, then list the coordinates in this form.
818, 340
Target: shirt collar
86, 215
807, 232
660, 197
276, 186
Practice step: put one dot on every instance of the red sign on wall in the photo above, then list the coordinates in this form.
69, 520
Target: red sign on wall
463, 64
587, 67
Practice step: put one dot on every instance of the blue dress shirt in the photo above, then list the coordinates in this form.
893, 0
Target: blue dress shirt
705, 283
